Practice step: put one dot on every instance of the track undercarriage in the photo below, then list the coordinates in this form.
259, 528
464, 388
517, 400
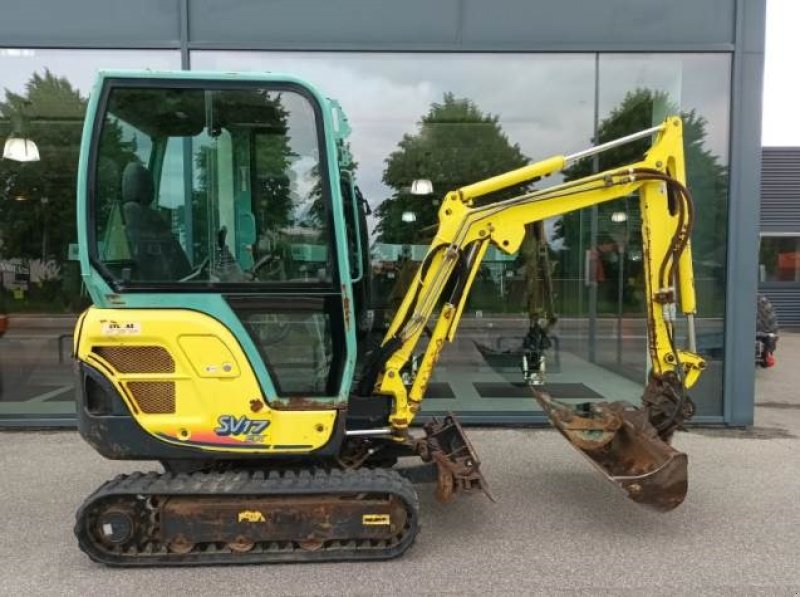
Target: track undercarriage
248, 517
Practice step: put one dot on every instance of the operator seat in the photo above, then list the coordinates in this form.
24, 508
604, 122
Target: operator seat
156, 253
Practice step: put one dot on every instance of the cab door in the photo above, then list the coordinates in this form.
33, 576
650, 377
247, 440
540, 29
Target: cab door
241, 219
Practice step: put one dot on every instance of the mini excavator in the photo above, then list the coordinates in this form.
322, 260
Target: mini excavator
223, 241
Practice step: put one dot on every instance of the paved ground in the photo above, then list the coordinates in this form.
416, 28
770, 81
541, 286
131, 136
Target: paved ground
557, 528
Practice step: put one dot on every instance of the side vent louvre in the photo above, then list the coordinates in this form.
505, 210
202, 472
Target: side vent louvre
153, 397
137, 359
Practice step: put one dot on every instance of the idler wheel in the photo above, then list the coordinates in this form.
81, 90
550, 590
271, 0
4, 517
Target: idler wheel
116, 525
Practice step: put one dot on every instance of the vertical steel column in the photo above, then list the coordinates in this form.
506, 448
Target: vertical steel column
743, 213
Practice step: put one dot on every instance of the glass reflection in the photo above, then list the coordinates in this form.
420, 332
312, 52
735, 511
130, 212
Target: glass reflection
44, 100
253, 211
459, 119
635, 92
446, 118
779, 259
453, 119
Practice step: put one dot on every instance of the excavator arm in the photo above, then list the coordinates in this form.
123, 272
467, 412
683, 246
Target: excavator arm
441, 287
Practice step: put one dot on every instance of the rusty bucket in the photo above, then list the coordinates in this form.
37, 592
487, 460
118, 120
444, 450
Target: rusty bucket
619, 440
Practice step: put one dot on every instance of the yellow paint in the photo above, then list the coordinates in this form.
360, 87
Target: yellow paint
196, 342
484, 246
503, 224
435, 345
209, 356
375, 520
251, 516
514, 177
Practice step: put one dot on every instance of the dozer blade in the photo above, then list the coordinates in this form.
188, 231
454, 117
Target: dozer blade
457, 463
620, 441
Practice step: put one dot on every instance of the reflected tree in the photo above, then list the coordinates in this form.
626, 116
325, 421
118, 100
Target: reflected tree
37, 215
456, 144
706, 177
317, 213
257, 123
273, 155
37, 199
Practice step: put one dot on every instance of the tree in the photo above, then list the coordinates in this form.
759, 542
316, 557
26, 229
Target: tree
37, 199
706, 177
257, 123
456, 144
317, 212
51, 113
273, 199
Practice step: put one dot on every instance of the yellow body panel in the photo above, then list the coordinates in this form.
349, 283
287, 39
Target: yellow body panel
209, 356
217, 401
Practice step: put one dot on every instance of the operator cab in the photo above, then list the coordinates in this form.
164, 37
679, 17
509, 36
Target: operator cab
235, 189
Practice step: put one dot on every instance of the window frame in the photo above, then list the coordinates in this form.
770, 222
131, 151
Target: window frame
327, 304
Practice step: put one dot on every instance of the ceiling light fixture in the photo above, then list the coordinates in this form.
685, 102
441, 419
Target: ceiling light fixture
20, 149
421, 186
618, 217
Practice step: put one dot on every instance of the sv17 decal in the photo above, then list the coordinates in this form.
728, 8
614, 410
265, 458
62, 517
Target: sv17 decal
230, 425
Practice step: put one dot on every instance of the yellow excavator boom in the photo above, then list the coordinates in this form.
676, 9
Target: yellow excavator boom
464, 234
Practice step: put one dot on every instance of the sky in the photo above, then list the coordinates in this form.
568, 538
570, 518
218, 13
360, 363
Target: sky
781, 112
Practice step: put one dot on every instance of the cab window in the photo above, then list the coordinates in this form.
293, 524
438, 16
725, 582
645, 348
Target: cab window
198, 186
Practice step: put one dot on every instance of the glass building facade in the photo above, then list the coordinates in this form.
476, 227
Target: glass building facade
451, 117
44, 99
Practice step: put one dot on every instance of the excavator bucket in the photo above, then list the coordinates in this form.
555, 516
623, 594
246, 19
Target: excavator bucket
621, 442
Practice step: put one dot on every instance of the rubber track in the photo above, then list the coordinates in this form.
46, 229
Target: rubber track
247, 483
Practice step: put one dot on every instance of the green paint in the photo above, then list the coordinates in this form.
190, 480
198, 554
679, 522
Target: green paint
336, 129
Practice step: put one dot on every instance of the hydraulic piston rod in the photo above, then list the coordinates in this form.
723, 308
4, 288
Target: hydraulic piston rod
594, 150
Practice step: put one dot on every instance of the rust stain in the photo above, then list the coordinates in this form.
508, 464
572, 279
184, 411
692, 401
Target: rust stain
457, 463
303, 403
346, 307
240, 522
256, 405
625, 447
